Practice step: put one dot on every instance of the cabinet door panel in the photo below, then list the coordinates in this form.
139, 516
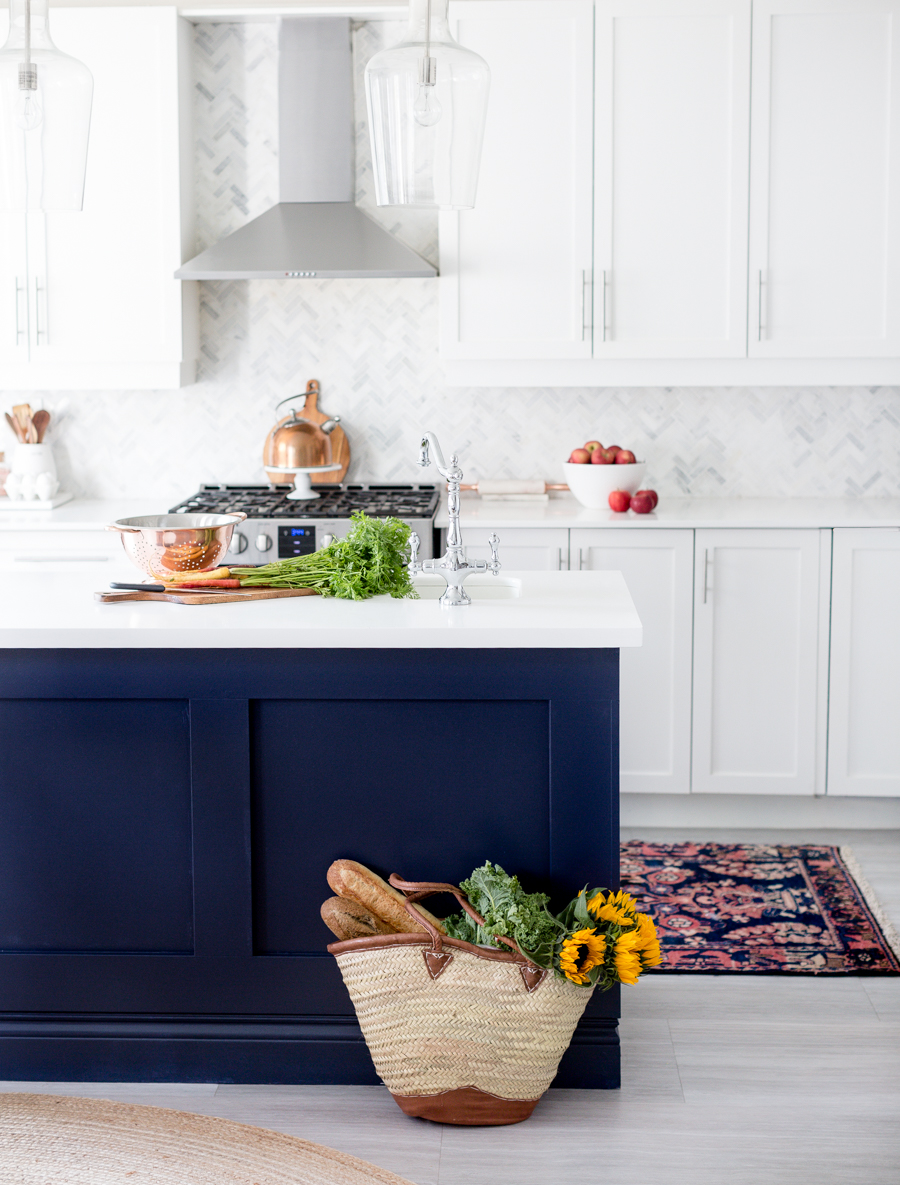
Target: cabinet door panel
825, 168
655, 679
520, 550
104, 276
755, 661
515, 271
14, 336
864, 701
672, 132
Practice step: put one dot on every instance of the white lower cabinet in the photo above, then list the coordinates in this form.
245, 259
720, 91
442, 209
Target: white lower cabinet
537, 550
864, 693
655, 680
758, 710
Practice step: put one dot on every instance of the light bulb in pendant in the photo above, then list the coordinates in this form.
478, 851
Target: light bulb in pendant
427, 108
29, 112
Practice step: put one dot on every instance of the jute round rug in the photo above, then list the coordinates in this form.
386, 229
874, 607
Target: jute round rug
54, 1140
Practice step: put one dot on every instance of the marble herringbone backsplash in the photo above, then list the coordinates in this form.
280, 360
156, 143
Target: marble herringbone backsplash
373, 346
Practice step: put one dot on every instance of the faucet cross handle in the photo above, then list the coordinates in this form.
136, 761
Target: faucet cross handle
494, 565
414, 543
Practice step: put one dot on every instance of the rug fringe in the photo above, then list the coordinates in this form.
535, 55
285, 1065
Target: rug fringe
878, 911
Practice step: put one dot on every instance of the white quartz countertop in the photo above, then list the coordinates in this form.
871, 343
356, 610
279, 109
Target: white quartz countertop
80, 515
548, 610
561, 511
564, 511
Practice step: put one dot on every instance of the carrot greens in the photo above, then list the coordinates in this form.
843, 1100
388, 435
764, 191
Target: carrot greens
369, 561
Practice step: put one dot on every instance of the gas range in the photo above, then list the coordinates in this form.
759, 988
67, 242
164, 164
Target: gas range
277, 527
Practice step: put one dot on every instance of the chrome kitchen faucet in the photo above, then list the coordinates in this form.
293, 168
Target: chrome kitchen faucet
454, 567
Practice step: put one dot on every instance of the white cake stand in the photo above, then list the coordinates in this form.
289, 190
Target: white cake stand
303, 490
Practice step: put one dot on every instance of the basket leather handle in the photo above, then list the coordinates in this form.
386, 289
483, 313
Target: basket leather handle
417, 890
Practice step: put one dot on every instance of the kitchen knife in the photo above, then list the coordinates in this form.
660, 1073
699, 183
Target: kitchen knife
172, 588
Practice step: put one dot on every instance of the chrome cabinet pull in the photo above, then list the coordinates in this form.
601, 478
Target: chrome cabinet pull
759, 311
705, 571
587, 305
580, 560
19, 330
38, 332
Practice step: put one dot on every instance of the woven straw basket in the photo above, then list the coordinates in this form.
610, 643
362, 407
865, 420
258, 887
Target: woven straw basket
458, 1033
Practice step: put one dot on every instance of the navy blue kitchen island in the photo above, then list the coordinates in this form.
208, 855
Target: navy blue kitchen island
167, 817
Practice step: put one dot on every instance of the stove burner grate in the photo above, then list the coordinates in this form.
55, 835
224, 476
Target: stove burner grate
401, 501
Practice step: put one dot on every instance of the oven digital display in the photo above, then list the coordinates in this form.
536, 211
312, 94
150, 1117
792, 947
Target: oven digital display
296, 541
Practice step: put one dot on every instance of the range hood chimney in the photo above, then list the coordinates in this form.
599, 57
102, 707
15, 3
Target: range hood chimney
316, 229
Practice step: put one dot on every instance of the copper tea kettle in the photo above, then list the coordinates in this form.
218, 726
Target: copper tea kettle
301, 445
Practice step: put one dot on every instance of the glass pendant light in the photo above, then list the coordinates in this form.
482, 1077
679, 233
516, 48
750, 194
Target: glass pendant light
45, 116
427, 100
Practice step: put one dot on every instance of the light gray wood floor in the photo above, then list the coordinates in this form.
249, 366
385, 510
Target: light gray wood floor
727, 1080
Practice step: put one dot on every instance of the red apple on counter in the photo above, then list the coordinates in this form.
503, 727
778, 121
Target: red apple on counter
642, 503
580, 456
619, 501
600, 457
592, 445
625, 457
652, 494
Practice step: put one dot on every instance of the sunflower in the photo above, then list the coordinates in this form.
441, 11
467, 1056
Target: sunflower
651, 955
618, 908
627, 956
581, 952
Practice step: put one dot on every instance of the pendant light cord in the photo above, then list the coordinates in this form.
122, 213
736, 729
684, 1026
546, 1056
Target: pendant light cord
428, 66
27, 70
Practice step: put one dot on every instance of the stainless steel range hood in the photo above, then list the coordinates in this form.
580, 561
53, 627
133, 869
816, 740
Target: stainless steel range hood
316, 229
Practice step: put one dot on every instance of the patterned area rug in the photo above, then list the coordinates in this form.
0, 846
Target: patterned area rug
760, 909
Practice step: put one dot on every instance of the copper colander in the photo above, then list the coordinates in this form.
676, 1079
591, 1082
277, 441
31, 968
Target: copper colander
160, 544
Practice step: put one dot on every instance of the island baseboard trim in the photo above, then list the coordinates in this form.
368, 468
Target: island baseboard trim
274, 1050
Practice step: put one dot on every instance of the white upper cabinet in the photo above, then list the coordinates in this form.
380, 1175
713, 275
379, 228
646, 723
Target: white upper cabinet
825, 174
655, 678
101, 307
864, 704
14, 290
757, 699
671, 175
516, 270
745, 190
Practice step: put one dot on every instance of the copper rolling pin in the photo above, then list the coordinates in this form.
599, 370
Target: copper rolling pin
501, 488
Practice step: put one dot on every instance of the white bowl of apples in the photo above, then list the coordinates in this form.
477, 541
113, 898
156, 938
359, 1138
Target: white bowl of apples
593, 472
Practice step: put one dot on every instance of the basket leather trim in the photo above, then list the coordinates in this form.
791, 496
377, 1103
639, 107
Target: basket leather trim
532, 976
386, 941
467, 1106
437, 962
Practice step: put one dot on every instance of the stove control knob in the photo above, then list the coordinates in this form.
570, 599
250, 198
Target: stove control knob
263, 542
327, 540
238, 543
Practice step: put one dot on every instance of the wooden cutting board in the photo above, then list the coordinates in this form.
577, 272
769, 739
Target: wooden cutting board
223, 597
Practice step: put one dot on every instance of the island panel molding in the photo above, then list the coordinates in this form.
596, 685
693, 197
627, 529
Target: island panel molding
232, 797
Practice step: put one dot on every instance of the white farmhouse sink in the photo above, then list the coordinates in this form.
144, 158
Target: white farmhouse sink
480, 588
